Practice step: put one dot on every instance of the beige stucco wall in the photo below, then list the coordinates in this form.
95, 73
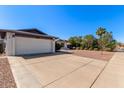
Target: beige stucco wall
53, 45
10, 43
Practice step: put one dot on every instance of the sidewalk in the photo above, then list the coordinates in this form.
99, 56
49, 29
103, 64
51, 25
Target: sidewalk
23, 77
113, 75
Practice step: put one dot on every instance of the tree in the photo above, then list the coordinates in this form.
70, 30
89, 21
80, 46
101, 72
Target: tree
110, 43
84, 44
95, 44
78, 41
89, 39
72, 41
75, 41
100, 31
105, 40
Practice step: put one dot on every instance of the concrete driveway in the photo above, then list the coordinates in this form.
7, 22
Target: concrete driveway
58, 70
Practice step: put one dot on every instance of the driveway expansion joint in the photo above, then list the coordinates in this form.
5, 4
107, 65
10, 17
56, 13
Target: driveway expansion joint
99, 74
68, 73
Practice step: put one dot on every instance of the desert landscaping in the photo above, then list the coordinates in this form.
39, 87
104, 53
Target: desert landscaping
62, 46
73, 68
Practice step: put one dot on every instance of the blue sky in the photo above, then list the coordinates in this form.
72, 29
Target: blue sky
64, 21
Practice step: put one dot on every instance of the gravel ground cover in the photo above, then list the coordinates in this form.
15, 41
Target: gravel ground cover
106, 56
6, 77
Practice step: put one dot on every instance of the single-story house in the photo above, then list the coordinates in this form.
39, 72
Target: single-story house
64, 43
27, 41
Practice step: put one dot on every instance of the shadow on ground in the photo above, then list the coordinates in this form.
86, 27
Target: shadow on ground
43, 55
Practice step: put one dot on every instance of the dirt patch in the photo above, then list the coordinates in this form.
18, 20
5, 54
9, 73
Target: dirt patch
106, 56
6, 77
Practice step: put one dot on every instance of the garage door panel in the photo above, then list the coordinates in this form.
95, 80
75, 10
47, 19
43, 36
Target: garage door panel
32, 45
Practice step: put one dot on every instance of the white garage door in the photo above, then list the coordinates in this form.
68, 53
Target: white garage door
32, 45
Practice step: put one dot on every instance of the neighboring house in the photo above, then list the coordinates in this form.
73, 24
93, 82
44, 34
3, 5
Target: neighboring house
64, 43
27, 41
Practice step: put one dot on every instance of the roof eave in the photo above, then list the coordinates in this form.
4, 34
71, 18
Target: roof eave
27, 33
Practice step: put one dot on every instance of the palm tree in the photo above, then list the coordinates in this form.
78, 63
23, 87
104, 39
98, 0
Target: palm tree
100, 32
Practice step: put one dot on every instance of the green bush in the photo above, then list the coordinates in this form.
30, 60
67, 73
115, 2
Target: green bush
112, 45
96, 49
90, 48
81, 47
58, 46
2, 48
85, 48
107, 49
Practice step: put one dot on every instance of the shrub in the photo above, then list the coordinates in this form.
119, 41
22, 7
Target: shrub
85, 48
107, 49
112, 45
58, 46
96, 49
2, 48
81, 47
90, 48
